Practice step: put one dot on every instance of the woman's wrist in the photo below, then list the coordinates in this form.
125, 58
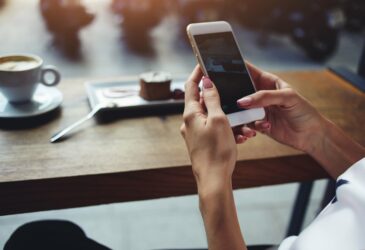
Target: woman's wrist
217, 207
213, 183
335, 150
214, 189
317, 137
215, 197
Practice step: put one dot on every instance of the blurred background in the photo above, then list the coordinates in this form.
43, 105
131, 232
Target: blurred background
103, 38
116, 37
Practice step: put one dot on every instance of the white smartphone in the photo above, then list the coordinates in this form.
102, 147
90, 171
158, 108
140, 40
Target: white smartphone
220, 58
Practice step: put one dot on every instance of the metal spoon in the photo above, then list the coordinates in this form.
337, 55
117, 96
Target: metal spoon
59, 135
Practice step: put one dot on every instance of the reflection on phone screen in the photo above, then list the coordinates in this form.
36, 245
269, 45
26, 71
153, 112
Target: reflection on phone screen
225, 67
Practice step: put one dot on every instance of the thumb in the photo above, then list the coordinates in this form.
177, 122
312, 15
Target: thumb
211, 97
286, 97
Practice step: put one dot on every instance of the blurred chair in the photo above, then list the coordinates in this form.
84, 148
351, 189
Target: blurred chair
137, 19
64, 19
61, 235
51, 234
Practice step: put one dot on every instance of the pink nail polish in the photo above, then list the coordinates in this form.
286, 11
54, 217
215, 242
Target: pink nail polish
240, 138
207, 83
244, 101
266, 125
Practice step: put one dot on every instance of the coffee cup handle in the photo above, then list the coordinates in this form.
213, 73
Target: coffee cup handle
53, 70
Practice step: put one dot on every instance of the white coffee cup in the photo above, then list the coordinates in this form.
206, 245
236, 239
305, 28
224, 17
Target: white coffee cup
21, 74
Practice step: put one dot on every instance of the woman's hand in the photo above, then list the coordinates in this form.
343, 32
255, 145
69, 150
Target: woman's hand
208, 135
213, 153
290, 118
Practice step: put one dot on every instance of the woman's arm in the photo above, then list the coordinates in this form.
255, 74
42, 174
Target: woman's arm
213, 152
219, 214
334, 150
292, 120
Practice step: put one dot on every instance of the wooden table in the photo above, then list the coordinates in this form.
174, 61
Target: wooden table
145, 158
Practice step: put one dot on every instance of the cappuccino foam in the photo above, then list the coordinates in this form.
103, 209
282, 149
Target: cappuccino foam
17, 63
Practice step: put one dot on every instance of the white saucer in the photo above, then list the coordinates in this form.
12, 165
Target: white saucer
44, 100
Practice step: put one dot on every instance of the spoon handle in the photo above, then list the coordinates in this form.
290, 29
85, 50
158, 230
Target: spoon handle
59, 135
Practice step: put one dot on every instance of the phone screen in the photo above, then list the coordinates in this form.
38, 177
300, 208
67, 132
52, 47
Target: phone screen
225, 67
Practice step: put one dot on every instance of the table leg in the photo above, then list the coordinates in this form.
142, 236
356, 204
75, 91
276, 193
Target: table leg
300, 208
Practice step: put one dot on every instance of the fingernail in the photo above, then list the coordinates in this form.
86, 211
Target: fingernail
242, 138
266, 125
244, 101
207, 83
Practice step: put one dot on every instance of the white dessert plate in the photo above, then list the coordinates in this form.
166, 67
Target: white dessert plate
124, 95
44, 100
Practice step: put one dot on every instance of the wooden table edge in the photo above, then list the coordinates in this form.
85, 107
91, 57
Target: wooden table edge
87, 190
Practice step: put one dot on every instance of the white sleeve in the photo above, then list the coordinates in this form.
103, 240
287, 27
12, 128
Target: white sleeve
341, 225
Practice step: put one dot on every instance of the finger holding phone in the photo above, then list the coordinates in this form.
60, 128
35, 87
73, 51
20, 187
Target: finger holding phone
213, 152
220, 59
290, 118
207, 133
294, 121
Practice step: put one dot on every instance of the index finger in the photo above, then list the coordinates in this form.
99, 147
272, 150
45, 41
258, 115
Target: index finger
196, 75
263, 80
191, 86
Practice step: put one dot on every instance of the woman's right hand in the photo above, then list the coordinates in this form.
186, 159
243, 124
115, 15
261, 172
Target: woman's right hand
290, 118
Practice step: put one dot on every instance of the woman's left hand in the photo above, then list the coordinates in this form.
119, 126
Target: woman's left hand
209, 138
213, 153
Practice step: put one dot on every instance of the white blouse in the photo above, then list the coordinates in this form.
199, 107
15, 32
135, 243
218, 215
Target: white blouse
341, 225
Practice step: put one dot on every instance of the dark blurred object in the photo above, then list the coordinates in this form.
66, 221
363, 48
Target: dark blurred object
51, 234
2, 3
356, 79
64, 18
361, 68
29, 122
137, 18
313, 25
178, 94
355, 14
